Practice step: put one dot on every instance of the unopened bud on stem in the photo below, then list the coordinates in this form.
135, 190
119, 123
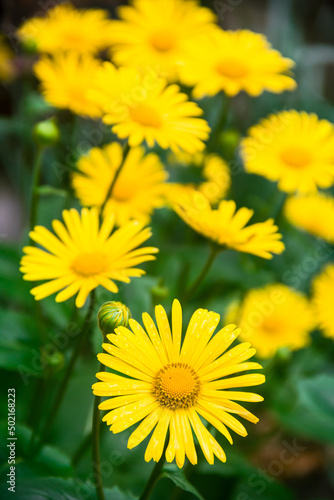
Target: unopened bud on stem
111, 315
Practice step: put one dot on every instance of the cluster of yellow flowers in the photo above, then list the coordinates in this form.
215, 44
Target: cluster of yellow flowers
166, 383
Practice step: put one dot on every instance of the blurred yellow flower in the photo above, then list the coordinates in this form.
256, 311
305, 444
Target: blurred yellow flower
65, 28
142, 107
323, 299
225, 226
138, 190
313, 213
296, 149
233, 61
157, 33
273, 317
214, 170
65, 80
81, 255
169, 384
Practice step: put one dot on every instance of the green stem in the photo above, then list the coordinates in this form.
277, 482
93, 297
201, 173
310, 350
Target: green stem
63, 386
113, 182
220, 125
153, 477
278, 204
34, 192
96, 445
215, 249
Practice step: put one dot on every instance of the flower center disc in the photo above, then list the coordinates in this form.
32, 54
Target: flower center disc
232, 68
273, 327
125, 187
146, 115
162, 41
89, 264
176, 386
296, 157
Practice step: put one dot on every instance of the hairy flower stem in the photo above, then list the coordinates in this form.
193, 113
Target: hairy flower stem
96, 414
113, 182
215, 249
64, 383
34, 193
153, 477
97, 478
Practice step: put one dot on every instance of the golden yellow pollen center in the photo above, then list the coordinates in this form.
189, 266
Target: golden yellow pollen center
124, 189
90, 264
176, 386
146, 115
162, 41
296, 157
73, 38
232, 68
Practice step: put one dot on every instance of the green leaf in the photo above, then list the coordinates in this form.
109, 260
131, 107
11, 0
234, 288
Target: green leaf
51, 488
55, 460
261, 487
51, 191
180, 480
18, 341
18, 358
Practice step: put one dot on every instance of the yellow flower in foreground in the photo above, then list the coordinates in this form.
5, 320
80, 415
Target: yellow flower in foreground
138, 189
170, 384
323, 299
215, 171
273, 317
233, 61
155, 33
295, 149
225, 226
81, 255
142, 107
65, 81
313, 213
65, 28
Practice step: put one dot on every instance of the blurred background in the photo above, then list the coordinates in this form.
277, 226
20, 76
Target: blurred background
291, 453
301, 30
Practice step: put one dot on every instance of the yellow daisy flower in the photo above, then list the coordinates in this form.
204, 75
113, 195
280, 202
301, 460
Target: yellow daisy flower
65, 81
138, 190
156, 33
323, 293
312, 213
81, 255
295, 149
170, 384
225, 226
215, 171
65, 28
273, 317
233, 61
142, 107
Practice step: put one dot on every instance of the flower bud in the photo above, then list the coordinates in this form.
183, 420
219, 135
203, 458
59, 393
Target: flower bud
46, 132
29, 45
55, 359
284, 354
111, 315
159, 292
